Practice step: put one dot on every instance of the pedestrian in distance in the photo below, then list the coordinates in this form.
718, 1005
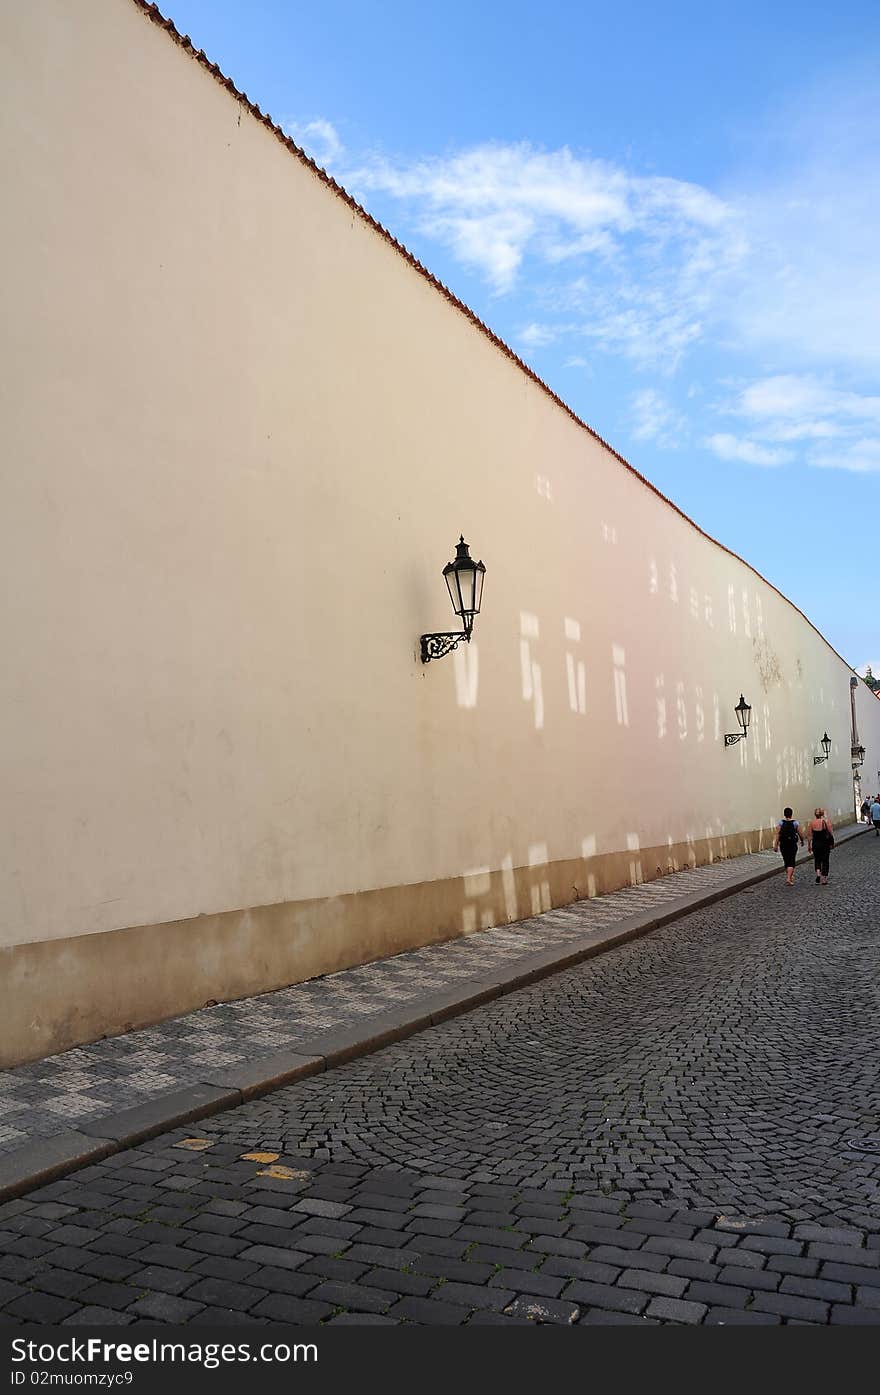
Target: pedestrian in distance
866, 810
875, 815
820, 841
788, 835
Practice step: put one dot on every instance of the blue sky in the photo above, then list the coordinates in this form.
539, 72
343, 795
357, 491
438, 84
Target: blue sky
672, 213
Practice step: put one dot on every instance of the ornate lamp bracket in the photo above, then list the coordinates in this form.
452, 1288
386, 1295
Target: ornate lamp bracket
435, 646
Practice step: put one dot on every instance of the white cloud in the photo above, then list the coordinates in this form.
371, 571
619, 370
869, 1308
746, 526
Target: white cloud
728, 447
536, 336
318, 138
809, 292
789, 408
782, 269
805, 396
655, 419
862, 457
495, 206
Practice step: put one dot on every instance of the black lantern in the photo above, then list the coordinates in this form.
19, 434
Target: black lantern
858, 756
825, 743
743, 716
464, 581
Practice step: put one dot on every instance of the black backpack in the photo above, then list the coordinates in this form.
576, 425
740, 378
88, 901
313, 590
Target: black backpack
788, 833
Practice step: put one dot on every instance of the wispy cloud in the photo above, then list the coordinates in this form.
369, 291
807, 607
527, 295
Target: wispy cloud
658, 270
535, 336
832, 423
749, 452
318, 138
813, 289
655, 419
500, 209
786, 396
861, 457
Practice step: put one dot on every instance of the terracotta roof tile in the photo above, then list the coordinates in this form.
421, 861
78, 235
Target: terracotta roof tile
184, 41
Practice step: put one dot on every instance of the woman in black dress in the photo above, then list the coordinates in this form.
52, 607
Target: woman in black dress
820, 841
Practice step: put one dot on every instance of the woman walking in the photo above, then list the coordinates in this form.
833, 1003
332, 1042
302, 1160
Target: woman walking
788, 834
820, 841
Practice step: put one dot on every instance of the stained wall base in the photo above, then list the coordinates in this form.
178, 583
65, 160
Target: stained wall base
55, 994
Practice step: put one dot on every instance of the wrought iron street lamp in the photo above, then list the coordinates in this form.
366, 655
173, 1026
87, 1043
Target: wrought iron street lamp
743, 716
858, 756
826, 747
464, 581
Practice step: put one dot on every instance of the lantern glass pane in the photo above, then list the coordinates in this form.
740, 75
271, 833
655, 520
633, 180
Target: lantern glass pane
451, 578
478, 598
466, 575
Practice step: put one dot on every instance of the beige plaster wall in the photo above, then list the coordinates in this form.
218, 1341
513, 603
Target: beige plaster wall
242, 436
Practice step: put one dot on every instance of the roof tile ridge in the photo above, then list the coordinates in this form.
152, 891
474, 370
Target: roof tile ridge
152, 11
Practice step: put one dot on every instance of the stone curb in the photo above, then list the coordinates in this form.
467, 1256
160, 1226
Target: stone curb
42, 1161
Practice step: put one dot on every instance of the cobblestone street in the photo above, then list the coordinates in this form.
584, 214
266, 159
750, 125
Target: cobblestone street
46, 1097
684, 1130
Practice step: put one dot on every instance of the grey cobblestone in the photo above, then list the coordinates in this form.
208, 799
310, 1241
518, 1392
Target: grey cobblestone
676, 1310
828, 1235
274, 1255
605, 1296
432, 1311
103, 1317
586, 1269
160, 1307
789, 1306
604, 1235
844, 1315
476, 1295
543, 1310
693, 1269
747, 1259
740, 1317
772, 1245
669, 1284
845, 1273
287, 1308
358, 1297
400, 1283
526, 1281
845, 1254
792, 1264
819, 1288
719, 1295
678, 1249
625, 1259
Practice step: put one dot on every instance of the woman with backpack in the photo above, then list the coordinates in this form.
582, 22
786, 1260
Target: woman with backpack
788, 835
820, 841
